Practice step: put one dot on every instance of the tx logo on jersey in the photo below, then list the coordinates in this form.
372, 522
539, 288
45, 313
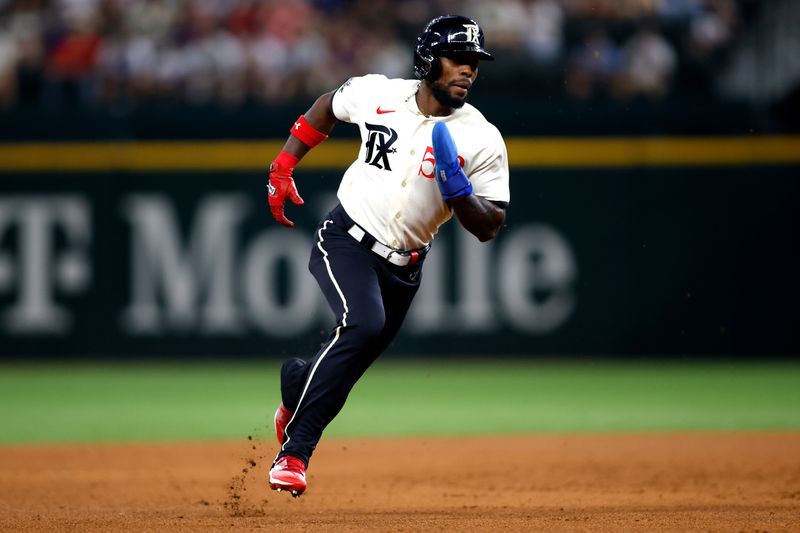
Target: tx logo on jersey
379, 145
428, 165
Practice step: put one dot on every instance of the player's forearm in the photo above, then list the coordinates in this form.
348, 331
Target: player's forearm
479, 216
321, 118
308, 131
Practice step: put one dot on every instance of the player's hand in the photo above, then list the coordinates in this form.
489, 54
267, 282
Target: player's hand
453, 182
281, 186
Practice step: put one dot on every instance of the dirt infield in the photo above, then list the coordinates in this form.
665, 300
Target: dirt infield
654, 482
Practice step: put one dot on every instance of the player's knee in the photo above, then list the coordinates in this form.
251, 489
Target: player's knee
369, 327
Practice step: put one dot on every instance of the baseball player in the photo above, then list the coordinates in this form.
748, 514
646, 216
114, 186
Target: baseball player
425, 155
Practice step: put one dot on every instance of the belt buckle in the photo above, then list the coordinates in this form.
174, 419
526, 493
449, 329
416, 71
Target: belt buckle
412, 256
398, 254
401, 258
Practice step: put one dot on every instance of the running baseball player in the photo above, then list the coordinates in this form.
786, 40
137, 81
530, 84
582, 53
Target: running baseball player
425, 155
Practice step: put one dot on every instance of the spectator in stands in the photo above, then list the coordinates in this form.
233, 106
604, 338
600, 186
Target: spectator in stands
679, 10
545, 39
228, 52
595, 67
71, 60
26, 26
388, 55
711, 28
8, 68
505, 20
650, 63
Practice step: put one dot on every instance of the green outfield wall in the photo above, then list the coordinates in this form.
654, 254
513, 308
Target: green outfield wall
628, 245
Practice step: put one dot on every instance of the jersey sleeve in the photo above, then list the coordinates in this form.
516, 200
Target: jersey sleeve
490, 177
355, 95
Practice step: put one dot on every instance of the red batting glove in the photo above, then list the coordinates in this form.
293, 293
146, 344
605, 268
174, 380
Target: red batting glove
281, 185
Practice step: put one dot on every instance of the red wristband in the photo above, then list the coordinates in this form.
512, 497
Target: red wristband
285, 161
307, 133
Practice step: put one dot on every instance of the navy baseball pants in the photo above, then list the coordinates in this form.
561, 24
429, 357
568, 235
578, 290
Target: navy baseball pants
370, 298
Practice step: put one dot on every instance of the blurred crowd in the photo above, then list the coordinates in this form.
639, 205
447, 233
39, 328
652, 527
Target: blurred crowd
234, 52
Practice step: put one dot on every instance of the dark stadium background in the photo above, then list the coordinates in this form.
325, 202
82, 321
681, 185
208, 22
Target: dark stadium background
653, 156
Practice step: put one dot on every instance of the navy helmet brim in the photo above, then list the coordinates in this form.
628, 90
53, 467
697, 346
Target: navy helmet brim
462, 48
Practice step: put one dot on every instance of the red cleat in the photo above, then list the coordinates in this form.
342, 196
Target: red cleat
288, 473
282, 417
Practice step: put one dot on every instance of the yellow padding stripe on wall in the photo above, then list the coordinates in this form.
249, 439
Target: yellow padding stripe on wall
653, 151
524, 152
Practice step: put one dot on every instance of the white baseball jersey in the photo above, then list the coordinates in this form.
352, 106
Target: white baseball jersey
390, 190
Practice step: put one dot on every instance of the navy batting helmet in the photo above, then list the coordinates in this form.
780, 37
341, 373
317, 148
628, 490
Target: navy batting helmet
449, 33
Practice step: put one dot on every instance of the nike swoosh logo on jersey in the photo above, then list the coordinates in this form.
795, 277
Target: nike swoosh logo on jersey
384, 111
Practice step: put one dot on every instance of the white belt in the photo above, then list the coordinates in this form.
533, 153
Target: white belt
396, 257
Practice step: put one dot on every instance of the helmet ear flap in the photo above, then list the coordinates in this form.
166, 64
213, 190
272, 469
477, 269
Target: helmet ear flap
422, 66
425, 61
435, 70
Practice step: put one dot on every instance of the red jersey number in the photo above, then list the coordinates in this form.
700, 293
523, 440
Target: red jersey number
428, 165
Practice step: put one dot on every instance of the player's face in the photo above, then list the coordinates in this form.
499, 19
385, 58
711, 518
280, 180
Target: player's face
459, 72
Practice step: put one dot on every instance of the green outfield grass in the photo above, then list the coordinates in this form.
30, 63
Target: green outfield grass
141, 402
